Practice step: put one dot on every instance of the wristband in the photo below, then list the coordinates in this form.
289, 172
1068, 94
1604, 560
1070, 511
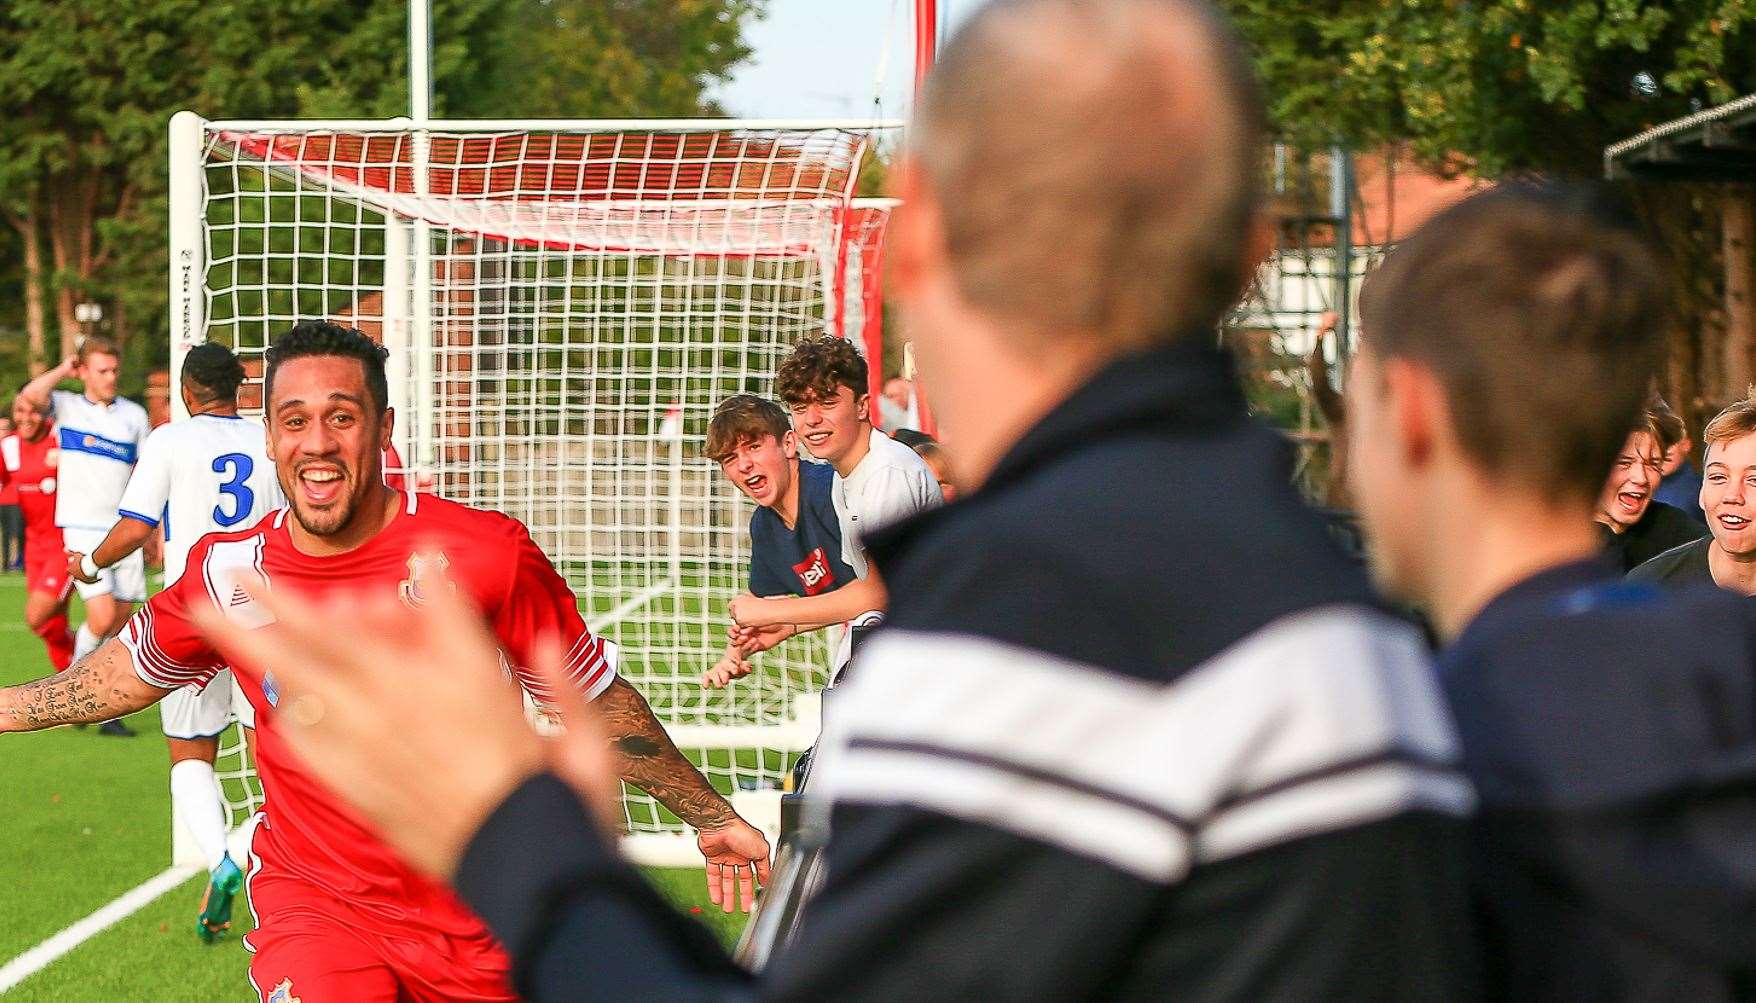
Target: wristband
88, 568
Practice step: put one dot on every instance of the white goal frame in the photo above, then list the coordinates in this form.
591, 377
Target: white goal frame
408, 325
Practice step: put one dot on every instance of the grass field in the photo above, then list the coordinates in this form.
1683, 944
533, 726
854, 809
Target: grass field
85, 818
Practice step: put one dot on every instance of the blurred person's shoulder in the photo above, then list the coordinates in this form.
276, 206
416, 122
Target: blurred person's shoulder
1585, 692
1684, 565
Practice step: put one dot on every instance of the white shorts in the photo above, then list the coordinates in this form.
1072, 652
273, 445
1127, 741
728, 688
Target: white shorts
203, 712
125, 580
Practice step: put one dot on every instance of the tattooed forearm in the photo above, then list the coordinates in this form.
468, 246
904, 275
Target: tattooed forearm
652, 763
98, 687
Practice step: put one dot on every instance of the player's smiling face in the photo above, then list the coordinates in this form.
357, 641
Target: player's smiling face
1728, 494
26, 419
327, 437
829, 425
1632, 481
762, 468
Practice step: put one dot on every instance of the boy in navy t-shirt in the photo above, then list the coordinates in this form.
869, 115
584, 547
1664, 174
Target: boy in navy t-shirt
795, 537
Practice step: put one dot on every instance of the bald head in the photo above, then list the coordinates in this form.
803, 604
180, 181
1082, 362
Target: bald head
1094, 167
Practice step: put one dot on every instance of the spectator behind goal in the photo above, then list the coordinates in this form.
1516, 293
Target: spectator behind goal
1608, 728
795, 539
1727, 557
877, 482
1134, 727
1633, 527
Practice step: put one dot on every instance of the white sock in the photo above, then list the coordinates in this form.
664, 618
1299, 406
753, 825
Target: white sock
84, 642
195, 797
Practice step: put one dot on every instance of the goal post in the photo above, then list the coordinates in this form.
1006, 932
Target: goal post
564, 303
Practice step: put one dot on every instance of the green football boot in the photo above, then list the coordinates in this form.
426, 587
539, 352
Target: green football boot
216, 903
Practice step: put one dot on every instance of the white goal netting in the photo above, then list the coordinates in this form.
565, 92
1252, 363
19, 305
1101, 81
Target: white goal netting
564, 303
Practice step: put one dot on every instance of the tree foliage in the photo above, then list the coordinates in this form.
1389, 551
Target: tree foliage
87, 91
1495, 86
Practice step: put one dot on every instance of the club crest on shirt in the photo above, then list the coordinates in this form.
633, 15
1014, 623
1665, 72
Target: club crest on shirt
283, 993
427, 574
813, 572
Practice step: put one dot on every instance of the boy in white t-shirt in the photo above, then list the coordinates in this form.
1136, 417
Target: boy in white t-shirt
878, 481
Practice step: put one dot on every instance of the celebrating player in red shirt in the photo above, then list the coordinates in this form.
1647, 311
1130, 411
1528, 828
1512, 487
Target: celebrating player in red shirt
339, 915
28, 464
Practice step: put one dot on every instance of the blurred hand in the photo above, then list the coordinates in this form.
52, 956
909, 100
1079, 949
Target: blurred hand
74, 572
425, 762
731, 666
752, 640
737, 861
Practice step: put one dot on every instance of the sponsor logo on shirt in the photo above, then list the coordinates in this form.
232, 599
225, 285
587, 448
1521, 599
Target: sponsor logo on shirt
813, 572
427, 574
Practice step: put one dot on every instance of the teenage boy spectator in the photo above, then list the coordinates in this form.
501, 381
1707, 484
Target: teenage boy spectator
795, 539
1610, 733
1632, 527
1727, 557
878, 482
1117, 740
933, 452
1681, 487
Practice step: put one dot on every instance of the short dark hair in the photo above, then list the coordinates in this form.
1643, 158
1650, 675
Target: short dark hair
740, 418
1542, 313
320, 337
911, 438
817, 366
1671, 429
213, 372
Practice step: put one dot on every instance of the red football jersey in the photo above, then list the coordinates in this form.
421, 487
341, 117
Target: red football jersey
31, 467
306, 833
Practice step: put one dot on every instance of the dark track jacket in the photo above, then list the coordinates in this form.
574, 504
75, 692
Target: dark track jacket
1135, 728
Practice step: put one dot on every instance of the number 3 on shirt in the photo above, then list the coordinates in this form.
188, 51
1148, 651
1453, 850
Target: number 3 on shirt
239, 465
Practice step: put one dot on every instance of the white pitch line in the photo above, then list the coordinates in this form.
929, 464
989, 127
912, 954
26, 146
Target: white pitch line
628, 606
41, 956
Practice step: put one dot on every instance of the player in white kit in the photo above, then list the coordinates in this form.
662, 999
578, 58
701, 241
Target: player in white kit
207, 473
98, 436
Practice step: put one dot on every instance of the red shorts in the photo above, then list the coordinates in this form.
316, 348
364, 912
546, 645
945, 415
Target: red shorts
311, 948
45, 567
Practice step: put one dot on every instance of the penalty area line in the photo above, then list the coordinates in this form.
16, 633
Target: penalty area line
46, 953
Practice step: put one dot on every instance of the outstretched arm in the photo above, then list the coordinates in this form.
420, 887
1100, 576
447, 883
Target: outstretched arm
98, 687
810, 612
735, 850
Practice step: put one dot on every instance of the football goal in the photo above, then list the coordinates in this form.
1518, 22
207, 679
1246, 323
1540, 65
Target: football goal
564, 303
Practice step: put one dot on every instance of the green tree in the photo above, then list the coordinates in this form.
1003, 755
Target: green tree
1495, 86
87, 91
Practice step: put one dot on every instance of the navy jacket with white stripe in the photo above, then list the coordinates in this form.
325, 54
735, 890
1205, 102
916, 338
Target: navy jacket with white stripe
1135, 728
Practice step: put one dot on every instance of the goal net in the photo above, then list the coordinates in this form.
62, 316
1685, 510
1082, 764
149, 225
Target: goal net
564, 304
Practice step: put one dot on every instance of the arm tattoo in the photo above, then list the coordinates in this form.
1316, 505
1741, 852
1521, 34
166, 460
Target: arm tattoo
652, 763
98, 687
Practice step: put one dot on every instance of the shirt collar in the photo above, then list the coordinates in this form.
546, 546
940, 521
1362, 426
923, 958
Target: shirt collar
1190, 382
1548, 589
